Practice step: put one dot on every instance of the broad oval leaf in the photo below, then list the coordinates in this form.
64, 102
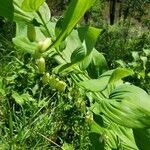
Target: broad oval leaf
129, 106
75, 12
97, 85
88, 36
105, 79
112, 134
78, 55
32, 5
120, 73
87, 43
21, 15
25, 45
97, 64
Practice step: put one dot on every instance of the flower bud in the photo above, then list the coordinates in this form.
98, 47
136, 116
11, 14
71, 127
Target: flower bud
78, 103
43, 45
53, 82
41, 64
31, 32
89, 117
45, 78
61, 86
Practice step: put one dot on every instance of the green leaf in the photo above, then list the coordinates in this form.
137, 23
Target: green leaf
18, 99
7, 9
73, 42
21, 99
32, 5
88, 37
85, 62
102, 82
97, 65
1, 82
147, 52
2, 91
120, 73
113, 135
135, 56
25, 45
67, 146
144, 60
21, 15
75, 12
128, 105
78, 55
97, 85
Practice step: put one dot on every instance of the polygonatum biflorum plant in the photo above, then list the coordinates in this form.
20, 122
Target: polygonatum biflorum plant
118, 113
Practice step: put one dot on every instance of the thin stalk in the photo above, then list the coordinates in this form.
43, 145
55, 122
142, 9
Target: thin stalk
44, 23
10, 124
49, 140
61, 55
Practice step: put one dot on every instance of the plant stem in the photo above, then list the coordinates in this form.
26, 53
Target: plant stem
44, 23
49, 140
10, 124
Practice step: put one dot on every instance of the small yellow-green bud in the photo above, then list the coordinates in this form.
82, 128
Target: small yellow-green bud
41, 64
61, 86
31, 32
53, 82
45, 78
89, 117
43, 45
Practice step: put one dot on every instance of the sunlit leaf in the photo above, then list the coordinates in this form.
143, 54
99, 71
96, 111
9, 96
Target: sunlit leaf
112, 135
120, 73
25, 45
18, 99
129, 106
32, 5
88, 42
78, 55
75, 12
97, 65
135, 55
67, 146
21, 15
97, 85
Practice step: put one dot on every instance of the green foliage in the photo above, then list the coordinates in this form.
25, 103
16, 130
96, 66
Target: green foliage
31, 5
6, 9
57, 91
77, 10
131, 100
140, 64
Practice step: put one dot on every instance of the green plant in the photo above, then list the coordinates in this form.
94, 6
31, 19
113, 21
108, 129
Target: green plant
140, 64
117, 112
119, 40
